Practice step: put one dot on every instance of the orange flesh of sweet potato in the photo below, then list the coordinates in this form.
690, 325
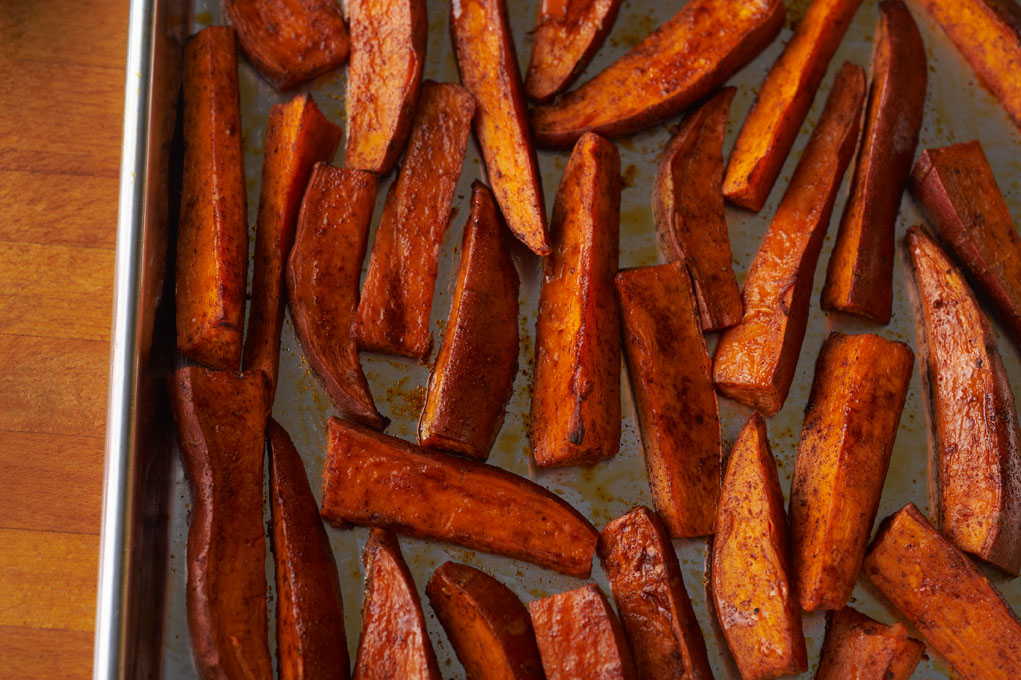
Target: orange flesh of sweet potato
645, 577
753, 587
468, 390
678, 64
859, 279
576, 395
489, 69
975, 462
310, 610
290, 41
298, 137
372, 479
672, 382
322, 283
393, 314
953, 605
221, 421
770, 128
579, 637
755, 360
388, 39
212, 238
688, 207
394, 642
859, 648
486, 623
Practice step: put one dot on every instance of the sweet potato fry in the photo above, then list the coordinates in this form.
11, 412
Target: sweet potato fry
372, 479
322, 283
688, 206
387, 55
221, 426
298, 137
394, 642
773, 123
957, 610
212, 235
397, 297
755, 360
679, 63
753, 588
863, 649
576, 395
975, 461
486, 623
468, 390
861, 382
672, 382
489, 69
290, 41
579, 637
645, 577
310, 610
859, 279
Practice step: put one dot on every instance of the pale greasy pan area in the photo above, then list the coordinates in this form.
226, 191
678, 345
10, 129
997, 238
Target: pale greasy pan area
958, 109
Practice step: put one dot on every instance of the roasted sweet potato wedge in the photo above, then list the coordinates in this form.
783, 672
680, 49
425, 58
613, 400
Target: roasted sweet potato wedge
975, 461
688, 206
755, 360
863, 649
486, 623
397, 297
298, 137
221, 427
372, 479
672, 383
394, 642
679, 63
579, 637
468, 390
645, 578
322, 283
212, 234
576, 393
859, 279
310, 609
489, 69
753, 586
387, 55
957, 610
290, 41
769, 130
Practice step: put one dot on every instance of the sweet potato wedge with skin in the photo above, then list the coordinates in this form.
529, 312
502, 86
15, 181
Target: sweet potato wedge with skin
397, 297
290, 41
859, 648
755, 360
672, 383
858, 393
645, 577
859, 279
975, 461
753, 585
486, 623
953, 605
472, 381
576, 393
322, 283
212, 234
394, 642
488, 66
221, 426
687, 204
679, 63
371, 479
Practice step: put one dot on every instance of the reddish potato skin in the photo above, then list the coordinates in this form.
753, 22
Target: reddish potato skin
486, 623
645, 578
859, 648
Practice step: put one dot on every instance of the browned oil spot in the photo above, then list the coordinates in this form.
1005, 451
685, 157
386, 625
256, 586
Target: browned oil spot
404, 402
629, 174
